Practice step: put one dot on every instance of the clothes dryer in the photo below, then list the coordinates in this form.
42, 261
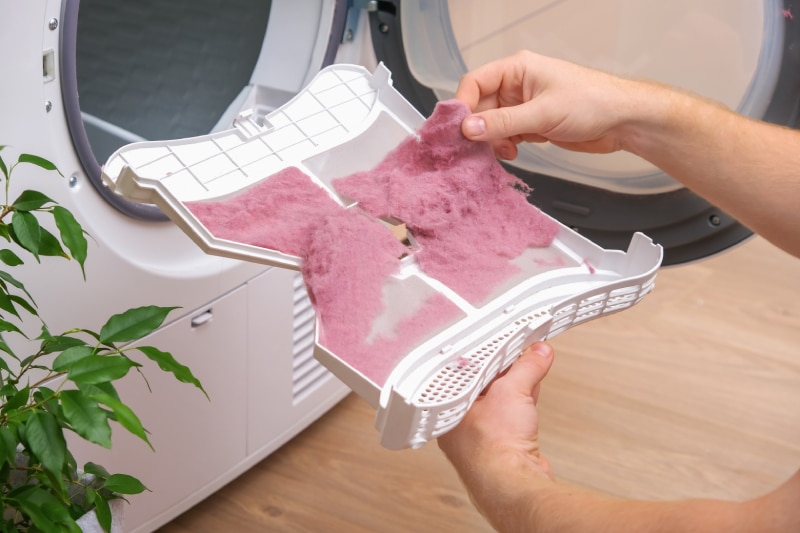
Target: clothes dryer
81, 79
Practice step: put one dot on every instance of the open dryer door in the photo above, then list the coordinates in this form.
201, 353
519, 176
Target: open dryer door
150, 71
741, 53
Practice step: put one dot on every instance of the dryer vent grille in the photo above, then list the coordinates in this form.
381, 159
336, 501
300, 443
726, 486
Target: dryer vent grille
307, 373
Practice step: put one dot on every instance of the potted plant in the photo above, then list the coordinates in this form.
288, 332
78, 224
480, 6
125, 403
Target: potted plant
65, 381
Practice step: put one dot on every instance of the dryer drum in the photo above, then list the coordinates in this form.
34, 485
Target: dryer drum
153, 70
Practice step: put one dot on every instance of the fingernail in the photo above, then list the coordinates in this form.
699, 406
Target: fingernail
474, 126
543, 349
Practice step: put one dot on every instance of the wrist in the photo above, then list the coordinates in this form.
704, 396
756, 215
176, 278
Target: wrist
506, 486
661, 118
651, 109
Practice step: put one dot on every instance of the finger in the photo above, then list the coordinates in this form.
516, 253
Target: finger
508, 149
522, 121
505, 149
468, 91
529, 369
547, 350
482, 84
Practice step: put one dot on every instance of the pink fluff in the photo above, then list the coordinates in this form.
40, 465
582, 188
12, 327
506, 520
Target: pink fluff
344, 269
346, 258
469, 215
280, 213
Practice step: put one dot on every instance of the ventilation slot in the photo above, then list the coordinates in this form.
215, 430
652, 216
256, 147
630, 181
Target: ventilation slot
307, 374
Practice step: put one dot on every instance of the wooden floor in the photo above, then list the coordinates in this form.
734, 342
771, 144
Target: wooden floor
693, 392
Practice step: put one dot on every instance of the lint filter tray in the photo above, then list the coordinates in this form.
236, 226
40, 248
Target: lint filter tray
345, 122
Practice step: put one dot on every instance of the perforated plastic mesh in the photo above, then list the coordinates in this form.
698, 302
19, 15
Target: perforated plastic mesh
449, 393
598, 304
445, 398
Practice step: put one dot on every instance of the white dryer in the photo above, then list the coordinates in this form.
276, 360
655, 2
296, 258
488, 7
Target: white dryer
82, 79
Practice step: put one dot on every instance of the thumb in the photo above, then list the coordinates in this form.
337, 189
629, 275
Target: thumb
529, 369
500, 123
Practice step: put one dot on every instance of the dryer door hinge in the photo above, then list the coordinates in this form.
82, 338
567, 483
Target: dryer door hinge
354, 8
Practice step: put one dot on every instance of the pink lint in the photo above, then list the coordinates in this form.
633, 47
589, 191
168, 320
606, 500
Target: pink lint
469, 216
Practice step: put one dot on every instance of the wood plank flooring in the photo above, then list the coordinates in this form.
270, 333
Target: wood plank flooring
695, 392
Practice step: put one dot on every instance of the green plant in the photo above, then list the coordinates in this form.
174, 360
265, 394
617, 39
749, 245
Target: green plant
66, 384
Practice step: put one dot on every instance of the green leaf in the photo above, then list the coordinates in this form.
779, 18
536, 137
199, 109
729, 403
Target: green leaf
124, 484
45, 333
133, 324
38, 161
6, 304
9, 526
55, 482
38, 396
46, 512
8, 445
10, 258
3, 166
46, 440
100, 388
167, 363
50, 246
27, 231
91, 497
58, 513
86, 417
9, 230
47, 397
30, 200
94, 335
103, 513
47, 392
6, 348
18, 284
96, 470
8, 390
8, 326
68, 357
72, 235
30, 500
28, 360
72, 464
60, 343
23, 303
99, 369
16, 401
124, 415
